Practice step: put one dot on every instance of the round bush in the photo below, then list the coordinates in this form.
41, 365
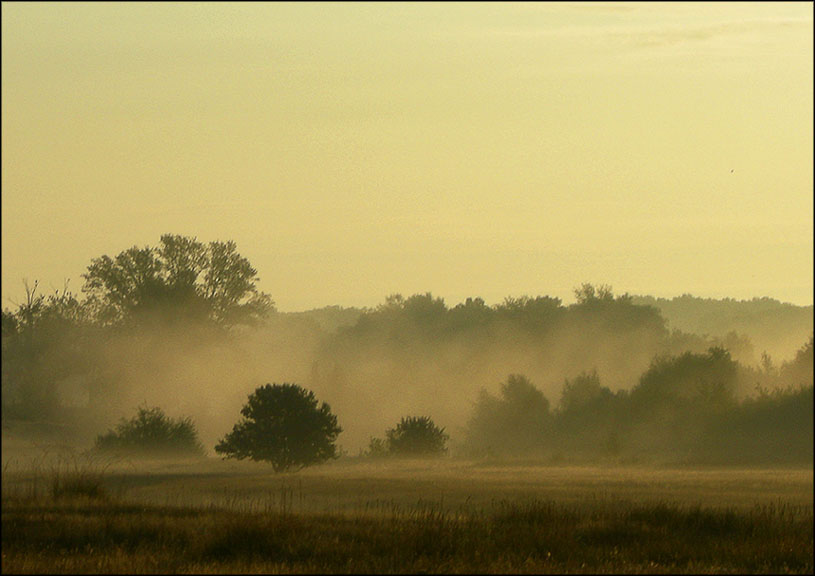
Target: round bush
152, 433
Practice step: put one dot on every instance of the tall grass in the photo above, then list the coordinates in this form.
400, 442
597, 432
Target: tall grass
402, 518
58, 474
533, 536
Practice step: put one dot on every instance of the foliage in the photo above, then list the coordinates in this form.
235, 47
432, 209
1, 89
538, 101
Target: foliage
151, 432
588, 292
328, 318
43, 342
581, 391
771, 325
180, 279
283, 424
421, 332
590, 417
707, 380
416, 436
59, 473
773, 427
683, 409
78, 476
54, 346
514, 423
799, 370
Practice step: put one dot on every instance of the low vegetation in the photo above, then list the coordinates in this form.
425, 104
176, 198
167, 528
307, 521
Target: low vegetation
152, 433
413, 436
520, 533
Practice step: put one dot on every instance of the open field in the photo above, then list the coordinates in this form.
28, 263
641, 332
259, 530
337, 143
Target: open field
409, 516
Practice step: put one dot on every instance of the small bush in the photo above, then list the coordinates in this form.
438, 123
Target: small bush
417, 436
151, 432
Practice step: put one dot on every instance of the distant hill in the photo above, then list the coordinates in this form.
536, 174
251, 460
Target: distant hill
776, 327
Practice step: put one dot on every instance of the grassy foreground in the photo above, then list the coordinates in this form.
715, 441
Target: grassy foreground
533, 537
356, 524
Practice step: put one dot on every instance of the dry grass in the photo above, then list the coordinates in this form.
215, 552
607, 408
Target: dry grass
414, 517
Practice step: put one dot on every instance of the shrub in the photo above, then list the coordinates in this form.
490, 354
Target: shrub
151, 432
416, 436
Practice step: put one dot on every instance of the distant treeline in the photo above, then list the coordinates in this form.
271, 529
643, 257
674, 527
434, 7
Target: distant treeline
771, 326
184, 323
674, 396
683, 409
748, 328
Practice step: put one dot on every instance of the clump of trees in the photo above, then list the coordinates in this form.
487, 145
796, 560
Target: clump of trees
283, 424
799, 371
180, 279
589, 417
419, 337
516, 422
582, 391
44, 341
674, 393
687, 381
771, 325
152, 433
671, 406
773, 425
684, 408
416, 436
51, 339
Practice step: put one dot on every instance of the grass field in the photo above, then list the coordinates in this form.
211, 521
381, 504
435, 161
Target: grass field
408, 516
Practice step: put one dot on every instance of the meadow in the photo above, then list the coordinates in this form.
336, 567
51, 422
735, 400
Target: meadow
66, 514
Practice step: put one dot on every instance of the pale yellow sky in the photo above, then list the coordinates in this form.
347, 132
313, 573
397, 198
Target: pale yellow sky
356, 150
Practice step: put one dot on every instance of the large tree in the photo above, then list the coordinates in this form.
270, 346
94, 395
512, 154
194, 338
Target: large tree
282, 424
181, 278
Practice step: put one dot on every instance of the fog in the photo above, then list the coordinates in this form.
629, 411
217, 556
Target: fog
407, 357
355, 151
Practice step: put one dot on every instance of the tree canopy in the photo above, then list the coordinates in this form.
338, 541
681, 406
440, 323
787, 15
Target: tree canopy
181, 278
283, 424
44, 341
514, 423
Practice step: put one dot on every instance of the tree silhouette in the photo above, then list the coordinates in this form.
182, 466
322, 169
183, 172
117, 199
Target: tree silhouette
516, 423
417, 436
44, 341
180, 279
582, 390
283, 424
152, 432
587, 292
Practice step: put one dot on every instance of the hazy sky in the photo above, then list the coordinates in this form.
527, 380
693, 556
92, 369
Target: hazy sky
356, 150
